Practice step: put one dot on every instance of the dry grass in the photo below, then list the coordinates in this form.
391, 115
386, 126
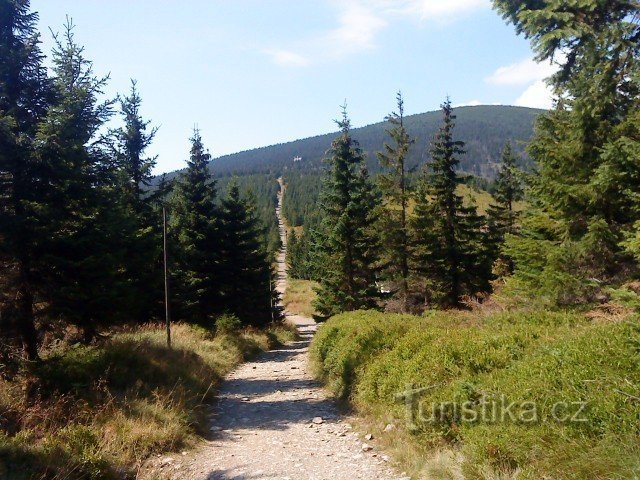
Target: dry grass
299, 297
98, 412
480, 198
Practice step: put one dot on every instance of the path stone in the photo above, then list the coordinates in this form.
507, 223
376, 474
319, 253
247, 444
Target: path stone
280, 427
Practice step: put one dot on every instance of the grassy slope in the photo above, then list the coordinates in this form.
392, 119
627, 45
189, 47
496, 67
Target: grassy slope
480, 198
299, 297
545, 357
89, 412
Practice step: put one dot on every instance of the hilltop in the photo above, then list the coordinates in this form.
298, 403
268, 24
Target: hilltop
485, 129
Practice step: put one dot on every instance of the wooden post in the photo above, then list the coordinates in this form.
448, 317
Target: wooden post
167, 309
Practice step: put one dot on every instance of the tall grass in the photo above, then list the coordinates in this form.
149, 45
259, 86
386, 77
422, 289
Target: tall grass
463, 359
299, 297
99, 411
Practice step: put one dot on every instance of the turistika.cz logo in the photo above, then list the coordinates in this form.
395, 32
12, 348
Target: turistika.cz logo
487, 409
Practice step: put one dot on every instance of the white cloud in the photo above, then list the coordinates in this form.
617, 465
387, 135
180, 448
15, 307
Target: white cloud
360, 21
434, 9
358, 26
286, 58
530, 74
538, 95
521, 73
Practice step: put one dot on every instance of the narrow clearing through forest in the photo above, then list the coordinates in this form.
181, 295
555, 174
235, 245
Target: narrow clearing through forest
274, 421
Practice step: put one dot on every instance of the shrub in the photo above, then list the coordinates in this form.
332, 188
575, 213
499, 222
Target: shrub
348, 342
228, 324
470, 360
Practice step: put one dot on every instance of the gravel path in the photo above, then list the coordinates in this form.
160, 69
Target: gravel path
273, 421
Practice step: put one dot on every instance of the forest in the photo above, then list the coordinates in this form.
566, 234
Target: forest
450, 260
486, 129
535, 300
81, 256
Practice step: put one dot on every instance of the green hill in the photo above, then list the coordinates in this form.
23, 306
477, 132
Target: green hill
485, 129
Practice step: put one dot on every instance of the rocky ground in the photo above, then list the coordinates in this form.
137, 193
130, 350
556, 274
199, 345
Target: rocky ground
273, 421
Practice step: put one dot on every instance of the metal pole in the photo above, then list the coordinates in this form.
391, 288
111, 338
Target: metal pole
167, 310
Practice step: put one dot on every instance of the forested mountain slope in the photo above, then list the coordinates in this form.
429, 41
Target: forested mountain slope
485, 129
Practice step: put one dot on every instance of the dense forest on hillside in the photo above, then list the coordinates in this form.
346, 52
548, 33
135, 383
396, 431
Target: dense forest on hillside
485, 128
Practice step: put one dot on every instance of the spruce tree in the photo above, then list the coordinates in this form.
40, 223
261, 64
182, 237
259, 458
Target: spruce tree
295, 256
247, 290
133, 139
396, 193
195, 227
502, 215
450, 253
144, 260
303, 256
349, 249
585, 192
82, 236
23, 103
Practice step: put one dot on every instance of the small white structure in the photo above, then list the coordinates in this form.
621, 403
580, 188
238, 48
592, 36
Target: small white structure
297, 159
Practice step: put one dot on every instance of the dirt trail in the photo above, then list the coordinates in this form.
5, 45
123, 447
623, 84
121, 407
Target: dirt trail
273, 421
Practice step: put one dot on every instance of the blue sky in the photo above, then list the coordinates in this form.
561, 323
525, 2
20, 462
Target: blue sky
251, 73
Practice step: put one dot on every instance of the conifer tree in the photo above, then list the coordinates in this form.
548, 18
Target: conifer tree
450, 254
396, 193
195, 226
502, 215
144, 259
133, 139
23, 102
295, 256
247, 289
303, 252
585, 193
349, 249
83, 253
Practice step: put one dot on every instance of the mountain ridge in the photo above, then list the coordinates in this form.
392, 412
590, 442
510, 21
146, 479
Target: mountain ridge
484, 128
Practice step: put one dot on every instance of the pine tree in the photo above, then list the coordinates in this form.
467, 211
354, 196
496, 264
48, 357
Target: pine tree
195, 226
247, 289
396, 192
23, 102
502, 215
349, 249
450, 253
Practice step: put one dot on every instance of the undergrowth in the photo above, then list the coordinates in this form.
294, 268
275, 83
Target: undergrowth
97, 412
475, 361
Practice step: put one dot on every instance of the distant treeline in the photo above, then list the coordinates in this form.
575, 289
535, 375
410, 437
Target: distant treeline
486, 128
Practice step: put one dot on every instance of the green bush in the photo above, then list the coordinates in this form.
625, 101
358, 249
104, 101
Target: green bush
351, 340
467, 361
228, 324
